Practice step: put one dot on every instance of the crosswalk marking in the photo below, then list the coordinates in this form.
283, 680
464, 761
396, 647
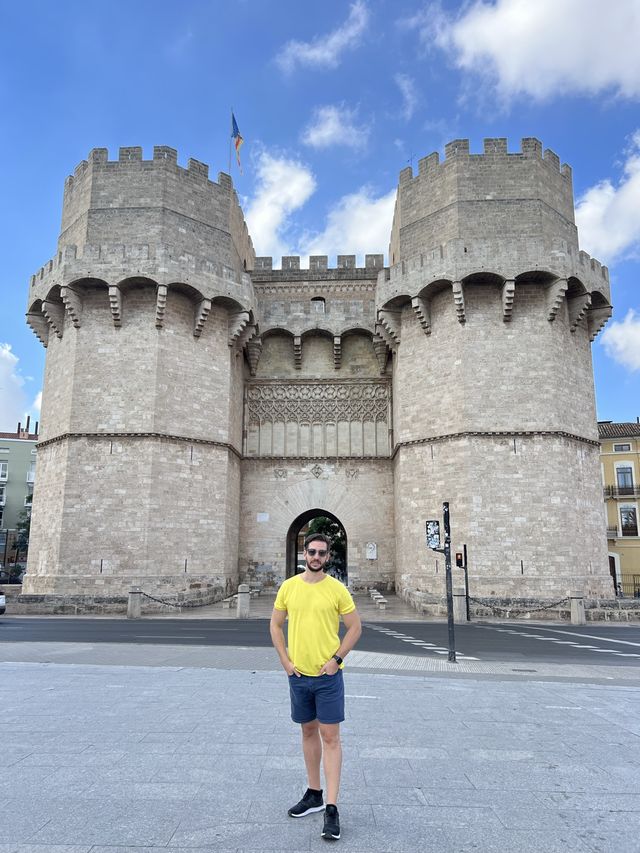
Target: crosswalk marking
428, 647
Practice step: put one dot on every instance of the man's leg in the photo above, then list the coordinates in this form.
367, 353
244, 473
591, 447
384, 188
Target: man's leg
332, 759
312, 749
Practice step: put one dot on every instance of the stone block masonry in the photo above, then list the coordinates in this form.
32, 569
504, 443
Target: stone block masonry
200, 403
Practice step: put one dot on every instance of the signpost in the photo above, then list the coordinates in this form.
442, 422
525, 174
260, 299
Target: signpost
433, 542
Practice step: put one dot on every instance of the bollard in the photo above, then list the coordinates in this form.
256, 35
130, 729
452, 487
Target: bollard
577, 609
242, 611
134, 604
459, 604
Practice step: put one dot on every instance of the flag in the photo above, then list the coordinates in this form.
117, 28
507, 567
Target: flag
237, 139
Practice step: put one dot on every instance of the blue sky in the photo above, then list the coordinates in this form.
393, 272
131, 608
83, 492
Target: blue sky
333, 100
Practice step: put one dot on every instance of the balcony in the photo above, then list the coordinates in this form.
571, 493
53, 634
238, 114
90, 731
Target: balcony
612, 532
621, 491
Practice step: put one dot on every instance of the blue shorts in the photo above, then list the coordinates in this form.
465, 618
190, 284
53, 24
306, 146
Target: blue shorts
319, 697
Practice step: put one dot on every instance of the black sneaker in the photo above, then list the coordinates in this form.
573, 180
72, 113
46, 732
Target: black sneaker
311, 802
331, 828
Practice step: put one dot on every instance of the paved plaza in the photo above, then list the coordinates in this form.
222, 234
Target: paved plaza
106, 752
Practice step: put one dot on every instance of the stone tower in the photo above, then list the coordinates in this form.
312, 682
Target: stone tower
144, 312
199, 405
489, 308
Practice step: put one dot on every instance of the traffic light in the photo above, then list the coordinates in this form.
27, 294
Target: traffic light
459, 562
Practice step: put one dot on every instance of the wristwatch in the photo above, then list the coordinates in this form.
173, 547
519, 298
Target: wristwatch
338, 659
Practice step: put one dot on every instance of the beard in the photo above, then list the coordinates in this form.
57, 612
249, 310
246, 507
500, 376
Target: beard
314, 569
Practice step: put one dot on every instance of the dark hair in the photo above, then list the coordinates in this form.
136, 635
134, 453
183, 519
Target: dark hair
317, 537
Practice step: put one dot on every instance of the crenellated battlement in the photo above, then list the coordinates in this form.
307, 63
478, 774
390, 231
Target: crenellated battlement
132, 200
494, 148
131, 157
318, 263
519, 195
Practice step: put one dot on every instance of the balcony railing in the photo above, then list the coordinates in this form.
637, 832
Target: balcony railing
621, 491
612, 532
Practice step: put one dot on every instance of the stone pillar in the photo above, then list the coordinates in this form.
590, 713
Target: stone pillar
577, 609
134, 604
242, 611
459, 604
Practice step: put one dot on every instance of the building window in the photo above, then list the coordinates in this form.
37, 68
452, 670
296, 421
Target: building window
629, 520
622, 448
317, 305
4, 471
3, 495
624, 479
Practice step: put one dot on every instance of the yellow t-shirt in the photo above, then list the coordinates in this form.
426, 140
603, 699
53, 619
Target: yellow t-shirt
313, 611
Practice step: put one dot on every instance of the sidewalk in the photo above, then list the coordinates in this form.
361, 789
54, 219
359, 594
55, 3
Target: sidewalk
185, 757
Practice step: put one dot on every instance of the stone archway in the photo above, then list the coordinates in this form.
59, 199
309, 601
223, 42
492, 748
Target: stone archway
298, 525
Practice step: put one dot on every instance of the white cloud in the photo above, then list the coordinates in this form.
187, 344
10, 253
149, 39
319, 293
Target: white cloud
622, 341
334, 125
283, 186
409, 95
325, 51
359, 222
607, 214
13, 395
542, 48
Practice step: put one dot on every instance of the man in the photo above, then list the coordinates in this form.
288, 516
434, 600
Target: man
314, 602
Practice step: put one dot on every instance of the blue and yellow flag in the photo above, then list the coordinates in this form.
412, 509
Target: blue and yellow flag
237, 139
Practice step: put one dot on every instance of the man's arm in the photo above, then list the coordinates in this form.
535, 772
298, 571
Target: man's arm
354, 630
277, 638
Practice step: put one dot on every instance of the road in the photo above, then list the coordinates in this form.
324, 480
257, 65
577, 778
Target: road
511, 642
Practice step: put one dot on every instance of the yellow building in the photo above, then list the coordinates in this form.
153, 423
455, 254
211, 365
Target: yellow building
620, 459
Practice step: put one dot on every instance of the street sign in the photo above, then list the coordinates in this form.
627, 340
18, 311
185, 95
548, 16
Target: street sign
433, 534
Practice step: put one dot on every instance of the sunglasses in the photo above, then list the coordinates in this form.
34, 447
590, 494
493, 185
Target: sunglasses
313, 551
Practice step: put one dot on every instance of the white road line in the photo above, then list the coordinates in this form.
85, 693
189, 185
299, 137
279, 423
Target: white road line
168, 636
588, 636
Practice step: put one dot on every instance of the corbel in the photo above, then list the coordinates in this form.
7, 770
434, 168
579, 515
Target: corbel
54, 315
458, 298
508, 294
201, 313
161, 304
115, 304
555, 295
337, 352
422, 310
73, 304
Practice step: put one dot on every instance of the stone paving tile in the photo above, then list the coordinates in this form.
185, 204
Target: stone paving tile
105, 825
616, 803
539, 777
263, 836
41, 758
47, 848
490, 840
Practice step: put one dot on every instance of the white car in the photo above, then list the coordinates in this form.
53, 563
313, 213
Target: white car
3, 603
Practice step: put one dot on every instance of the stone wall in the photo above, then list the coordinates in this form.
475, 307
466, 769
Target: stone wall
275, 494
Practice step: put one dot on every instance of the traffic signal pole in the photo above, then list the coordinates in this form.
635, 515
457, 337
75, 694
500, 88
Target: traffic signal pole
449, 582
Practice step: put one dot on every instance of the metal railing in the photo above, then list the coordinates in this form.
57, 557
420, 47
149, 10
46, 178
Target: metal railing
612, 532
621, 491
630, 584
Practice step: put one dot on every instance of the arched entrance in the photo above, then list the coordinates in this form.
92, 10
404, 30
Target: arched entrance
319, 521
